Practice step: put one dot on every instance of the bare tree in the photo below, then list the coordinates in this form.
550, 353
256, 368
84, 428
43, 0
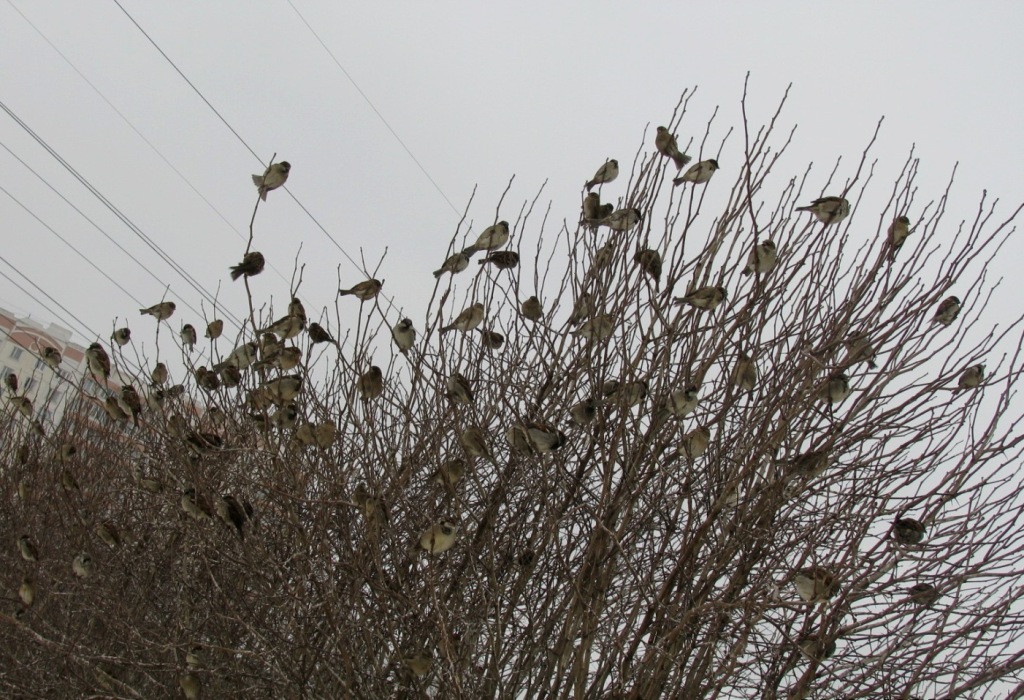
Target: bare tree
709, 467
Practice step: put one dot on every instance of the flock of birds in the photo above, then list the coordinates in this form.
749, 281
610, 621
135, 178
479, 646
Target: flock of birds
273, 400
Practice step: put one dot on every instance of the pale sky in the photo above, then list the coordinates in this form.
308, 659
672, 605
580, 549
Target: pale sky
478, 92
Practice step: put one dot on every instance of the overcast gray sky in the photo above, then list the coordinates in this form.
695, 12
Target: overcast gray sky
478, 92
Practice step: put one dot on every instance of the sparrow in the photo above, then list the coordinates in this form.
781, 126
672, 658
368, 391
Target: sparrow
283, 389
188, 336
195, 505
296, 309
241, 357
251, 265
317, 334
458, 390
908, 531
419, 664
99, 362
272, 178
815, 584
374, 509
815, 648
584, 412
230, 376
829, 210
545, 438
706, 298
439, 537
454, 264
68, 482
836, 389
404, 335
287, 327
519, 440
52, 357
591, 206
121, 336
11, 382
698, 174
82, 565
682, 401
27, 591
581, 309
324, 433
627, 395
23, 404
604, 257
113, 409
304, 434
207, 379
649, 261
107, 531
475, 444
898, 231
809, 464
924, 594
695, 442
214, 329
744, 374
467, 320
666, 144
159, 374
605, 174
947, 311
762, 258
971, 378
67, 451
234, 513
130, 398
492, 237
599, 327
532, 310
450, 472
161, 311
27, 549
189, 684
502, 259
364, 291
490, 339
371, 384
860, 349
622, 219
285, 417
203, 444
288, 358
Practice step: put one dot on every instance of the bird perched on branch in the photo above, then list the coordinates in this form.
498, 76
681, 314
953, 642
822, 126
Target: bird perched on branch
188, 336
287, 327
584, 412
605, 174
492, 237
454, 264
122, 336
439, 537
196, 505
706, 298
532, 310
490, 339
815, 584
474, 443
698, 173
317, 334
364, 291
52, 357
404, 335
744, 374
272, 178
908, 531
899, 229
829, 210
371, 384
947, 311
836, 389
214, 329
762, 258
502, 259
11, 382
666, 144
251, 265
600, 327
98, 361
467, 320
622, 219
459, 390
649, 261
971, 378
234, 513
161, 311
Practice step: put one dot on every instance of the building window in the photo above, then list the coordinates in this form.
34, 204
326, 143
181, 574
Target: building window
39, 364
29, 383
16, 353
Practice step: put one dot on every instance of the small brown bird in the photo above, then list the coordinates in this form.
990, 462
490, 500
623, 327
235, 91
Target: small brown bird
325, 433
404, 335
627, 395
581, 309
214, 329
23, 405
459, 390
924, 594
829, 210
622, 219
502, 259
207, 379
744, 374
11, 382
649, 261
364, 291
107, 531
98, 361
450, 472
604, 257
532, 310
605, 174
897, 234
762, 258
82, 565
809, 465
490, 339
371, 384
908, 531
591, 206
420, 663
815, 584
467, 320
114, 410
287, 327
474, 443
698, 174
439, 537
815, 648
584, 412
492, 237
836, 389
317, 334
667, 146
241, 357
860, 349
544, 437
196, 505
188, 336
27, 548
947, 311
234, 513
972, 377
454, 264
681, 402
27, 591
519, 440
190, 685
600, 327
695, 443
52, 357
161, 311
283, 389
296, 309
130, 398
251, 265
706, 298
272, 178
122, 336
286, 417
